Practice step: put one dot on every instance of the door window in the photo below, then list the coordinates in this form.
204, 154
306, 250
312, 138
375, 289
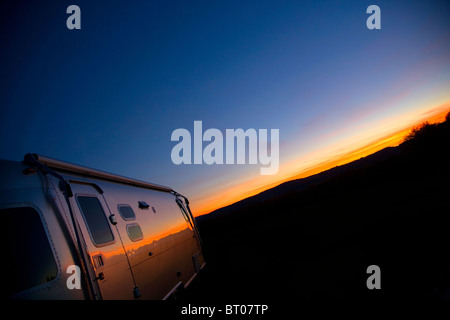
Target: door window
95, 220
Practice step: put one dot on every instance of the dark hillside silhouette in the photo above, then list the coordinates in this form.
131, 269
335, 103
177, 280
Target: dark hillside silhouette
314, 238
294, 186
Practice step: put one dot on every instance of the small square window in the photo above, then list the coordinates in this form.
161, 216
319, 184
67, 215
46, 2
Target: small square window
126, 212
134, 232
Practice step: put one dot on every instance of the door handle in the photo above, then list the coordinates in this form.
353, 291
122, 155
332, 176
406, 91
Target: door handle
100, 276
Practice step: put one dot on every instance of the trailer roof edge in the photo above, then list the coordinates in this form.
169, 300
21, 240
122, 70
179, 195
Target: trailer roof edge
85, 171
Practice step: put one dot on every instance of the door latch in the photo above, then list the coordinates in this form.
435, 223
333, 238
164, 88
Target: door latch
100, 276
113, 220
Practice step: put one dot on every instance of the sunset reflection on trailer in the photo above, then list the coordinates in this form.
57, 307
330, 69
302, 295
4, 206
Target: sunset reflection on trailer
128, 238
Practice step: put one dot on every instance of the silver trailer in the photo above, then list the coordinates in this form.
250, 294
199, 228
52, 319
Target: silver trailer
77, 233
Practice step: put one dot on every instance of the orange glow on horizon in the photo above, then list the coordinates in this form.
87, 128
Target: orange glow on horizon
385, 134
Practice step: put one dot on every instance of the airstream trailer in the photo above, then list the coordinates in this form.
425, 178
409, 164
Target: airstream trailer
78, 233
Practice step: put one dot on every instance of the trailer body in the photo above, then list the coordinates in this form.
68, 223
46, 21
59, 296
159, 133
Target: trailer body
73, 232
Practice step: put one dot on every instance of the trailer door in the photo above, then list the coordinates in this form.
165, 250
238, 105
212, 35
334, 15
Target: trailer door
103, 243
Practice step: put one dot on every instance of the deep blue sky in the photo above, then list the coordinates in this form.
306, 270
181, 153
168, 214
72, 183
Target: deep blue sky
109, 95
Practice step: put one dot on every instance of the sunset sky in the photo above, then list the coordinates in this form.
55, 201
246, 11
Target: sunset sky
110, 95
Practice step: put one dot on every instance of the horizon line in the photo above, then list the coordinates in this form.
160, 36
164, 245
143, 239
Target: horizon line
393, 139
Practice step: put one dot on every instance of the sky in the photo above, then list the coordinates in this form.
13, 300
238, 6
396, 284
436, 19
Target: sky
109, 95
